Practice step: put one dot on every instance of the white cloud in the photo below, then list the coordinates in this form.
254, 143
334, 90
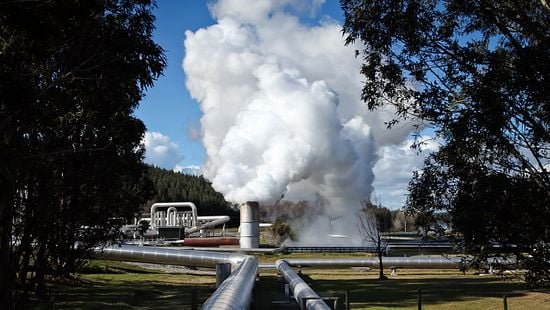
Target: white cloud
191, 169
161, 151
394, 168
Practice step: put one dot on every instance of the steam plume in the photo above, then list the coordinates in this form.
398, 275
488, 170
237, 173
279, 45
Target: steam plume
282, 113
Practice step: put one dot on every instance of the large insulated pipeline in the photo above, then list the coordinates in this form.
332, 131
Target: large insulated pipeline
308, 299
404, 262
304, 295
398, 262
234, 293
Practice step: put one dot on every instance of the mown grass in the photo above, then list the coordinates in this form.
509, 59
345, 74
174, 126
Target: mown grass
117, 285
441, 289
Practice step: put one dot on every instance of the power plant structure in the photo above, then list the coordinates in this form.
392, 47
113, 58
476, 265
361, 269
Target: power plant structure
237, 270
250, 225
178, 221
175, 222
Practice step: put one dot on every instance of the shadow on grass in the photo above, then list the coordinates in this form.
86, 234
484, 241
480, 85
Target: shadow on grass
404, 292
124, 295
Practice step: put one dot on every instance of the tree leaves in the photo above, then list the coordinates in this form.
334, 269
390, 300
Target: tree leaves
478, 72
71, 75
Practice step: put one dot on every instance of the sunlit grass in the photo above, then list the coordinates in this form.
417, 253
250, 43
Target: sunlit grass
117, 285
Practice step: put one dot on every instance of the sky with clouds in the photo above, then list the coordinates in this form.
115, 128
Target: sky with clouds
248, 66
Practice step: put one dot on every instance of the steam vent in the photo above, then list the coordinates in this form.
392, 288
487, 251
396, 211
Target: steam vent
250, 225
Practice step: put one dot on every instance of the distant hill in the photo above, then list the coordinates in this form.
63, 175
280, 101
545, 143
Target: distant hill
170, 186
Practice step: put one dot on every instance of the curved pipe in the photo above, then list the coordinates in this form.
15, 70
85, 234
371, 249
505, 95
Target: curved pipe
304, 295
308, 299
236, 291
174, 204
171, 219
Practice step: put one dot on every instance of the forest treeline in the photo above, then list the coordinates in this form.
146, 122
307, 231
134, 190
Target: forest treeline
390, 220
170, 186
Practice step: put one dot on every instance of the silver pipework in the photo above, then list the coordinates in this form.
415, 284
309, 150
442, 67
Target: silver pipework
404, 262
304, 295
214, 221
171, 205
398, 262
234, 293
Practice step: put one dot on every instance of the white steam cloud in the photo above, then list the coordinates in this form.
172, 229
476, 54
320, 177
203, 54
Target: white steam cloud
282, 113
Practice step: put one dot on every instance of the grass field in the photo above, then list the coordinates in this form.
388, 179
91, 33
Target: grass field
116, 285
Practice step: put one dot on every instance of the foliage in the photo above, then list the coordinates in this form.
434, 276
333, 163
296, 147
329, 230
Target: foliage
478, 73
174, 186
372, 221
290, 211
403, 222
71, 74
279, 232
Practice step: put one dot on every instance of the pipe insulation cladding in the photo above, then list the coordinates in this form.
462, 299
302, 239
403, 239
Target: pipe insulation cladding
250, 225
304, 295
234, 293
398, 262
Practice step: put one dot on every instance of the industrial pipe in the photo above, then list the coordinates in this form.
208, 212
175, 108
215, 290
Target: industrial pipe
234, 293
214, 221
402, 262
304, 295
173, 204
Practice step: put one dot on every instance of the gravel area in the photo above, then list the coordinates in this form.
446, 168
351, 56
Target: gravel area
176, 269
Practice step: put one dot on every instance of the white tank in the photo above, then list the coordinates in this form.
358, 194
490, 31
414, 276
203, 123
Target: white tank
250, 225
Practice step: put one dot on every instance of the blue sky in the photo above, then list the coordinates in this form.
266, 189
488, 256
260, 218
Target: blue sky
167, 107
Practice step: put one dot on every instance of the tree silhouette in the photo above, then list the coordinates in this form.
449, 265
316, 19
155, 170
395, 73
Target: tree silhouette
71, 75
370, 228
477, 72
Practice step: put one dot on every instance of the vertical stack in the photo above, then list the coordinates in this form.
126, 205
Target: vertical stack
250, 225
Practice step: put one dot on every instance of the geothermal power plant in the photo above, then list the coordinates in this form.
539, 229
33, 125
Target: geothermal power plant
178, 220
236, 268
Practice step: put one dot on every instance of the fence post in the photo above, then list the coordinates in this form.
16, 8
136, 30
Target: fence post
194, 299
419, 299
505, 301
347, 299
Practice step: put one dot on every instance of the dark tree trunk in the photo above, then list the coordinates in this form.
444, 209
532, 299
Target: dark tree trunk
6, 270
380, 249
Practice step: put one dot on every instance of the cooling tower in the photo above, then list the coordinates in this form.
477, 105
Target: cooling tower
250, 225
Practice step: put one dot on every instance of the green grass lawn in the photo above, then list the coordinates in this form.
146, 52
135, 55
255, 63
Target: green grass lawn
117, 285
444, 289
